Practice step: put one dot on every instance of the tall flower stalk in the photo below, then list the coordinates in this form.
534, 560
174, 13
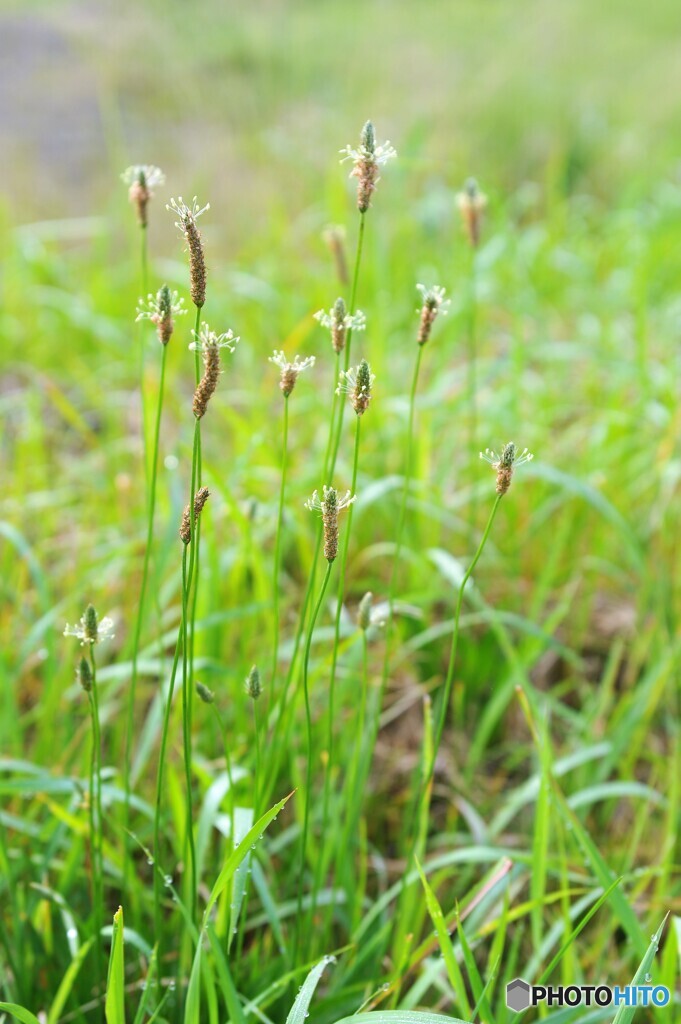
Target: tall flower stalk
289, 372
207, 346
190, 517
142, 179
357, 384
160, 310
433, 304
329, 505
187, 216
472, 202
90, 631
504, 465
367, 160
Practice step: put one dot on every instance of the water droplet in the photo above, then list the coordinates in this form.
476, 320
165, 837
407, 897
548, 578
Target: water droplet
150, 860
168, 880
72, 933
648, 978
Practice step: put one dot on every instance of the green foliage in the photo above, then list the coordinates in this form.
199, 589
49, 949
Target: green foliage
546, 848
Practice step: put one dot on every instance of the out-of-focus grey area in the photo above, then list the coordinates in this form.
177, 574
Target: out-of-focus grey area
252, 99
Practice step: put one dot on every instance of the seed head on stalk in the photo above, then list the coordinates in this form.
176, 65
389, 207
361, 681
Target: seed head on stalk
200, 499
367, 159
290, 370
253, 683
208, 343
142, 179
91, 629
188, 216
505, 463
358, 384
206, 695
434, 302
472, 203
338, 321
330, 505
334, 236
160, 309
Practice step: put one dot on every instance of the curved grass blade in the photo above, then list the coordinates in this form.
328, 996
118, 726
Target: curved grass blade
192, 1009
20, 1012
299, 1009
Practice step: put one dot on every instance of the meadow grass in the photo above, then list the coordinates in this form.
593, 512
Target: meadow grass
526, 826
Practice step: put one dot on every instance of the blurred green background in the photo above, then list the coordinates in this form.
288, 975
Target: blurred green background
569, 115
247, 101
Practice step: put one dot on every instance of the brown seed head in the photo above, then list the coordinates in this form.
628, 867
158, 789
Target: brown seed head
434, 302
208, 383
334, 237
142, 178
200, 499
472, 204
188, 215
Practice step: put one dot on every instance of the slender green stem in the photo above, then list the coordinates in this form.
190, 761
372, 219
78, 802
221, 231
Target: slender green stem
256, 783
328, 774
419, 812
232, 805
408, 469
308, 773
159, 782
277, 551
130, 731
96, 819
355, 782
189, 830
144, 259
348, 341
189, 626
446, 693
472, 383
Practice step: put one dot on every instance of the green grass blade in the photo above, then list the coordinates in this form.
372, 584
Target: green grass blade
114, 1007
67, 981
22, 1014
400, 1017
299, 1010
625, 1014
445, 943
192, 1007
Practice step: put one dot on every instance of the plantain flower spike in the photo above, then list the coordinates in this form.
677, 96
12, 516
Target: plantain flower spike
334, 236
364, 611
208, 343
505, 463
290, 370
472, 203
358, 384
142, 179
206, 695
200, 499
338, 321
160, 309
84, 674
434, 302
367, 159
90, 629
330, 505
187, 218
253, 683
